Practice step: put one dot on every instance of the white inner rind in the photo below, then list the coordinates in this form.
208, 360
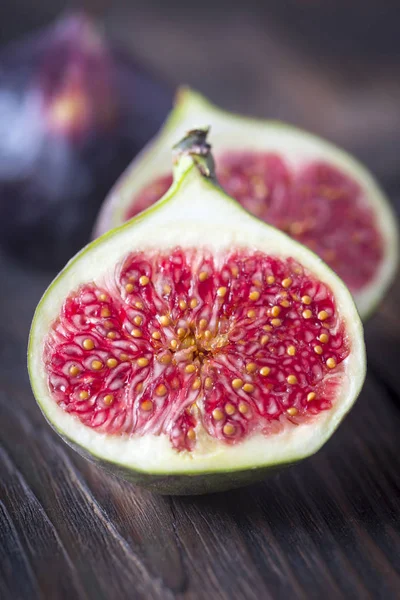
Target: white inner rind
232, 132
193, 214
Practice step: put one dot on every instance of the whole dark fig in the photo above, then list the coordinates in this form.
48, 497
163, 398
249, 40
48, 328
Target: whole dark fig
73, 113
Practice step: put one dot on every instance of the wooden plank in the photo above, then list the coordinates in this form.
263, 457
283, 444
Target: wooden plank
382, 336
17, 579
39, 543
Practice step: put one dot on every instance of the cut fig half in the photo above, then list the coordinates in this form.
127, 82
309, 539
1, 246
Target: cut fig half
195, 348
301, 184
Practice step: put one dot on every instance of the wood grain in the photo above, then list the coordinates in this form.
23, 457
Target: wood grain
329, 528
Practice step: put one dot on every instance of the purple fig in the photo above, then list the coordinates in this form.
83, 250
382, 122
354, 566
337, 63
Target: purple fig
73, 113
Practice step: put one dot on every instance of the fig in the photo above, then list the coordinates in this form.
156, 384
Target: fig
74, 110
195, 348
305, 186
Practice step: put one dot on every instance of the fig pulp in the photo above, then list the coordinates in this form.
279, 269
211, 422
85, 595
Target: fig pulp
196, 347
257, 340
73, 112
299, 183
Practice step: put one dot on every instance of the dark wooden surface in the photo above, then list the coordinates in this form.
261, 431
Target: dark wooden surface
328, 528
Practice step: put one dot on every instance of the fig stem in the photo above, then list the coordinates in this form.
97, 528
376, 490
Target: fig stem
195, 145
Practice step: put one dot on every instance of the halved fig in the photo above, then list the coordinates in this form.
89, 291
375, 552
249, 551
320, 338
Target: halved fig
195, 348
305, 186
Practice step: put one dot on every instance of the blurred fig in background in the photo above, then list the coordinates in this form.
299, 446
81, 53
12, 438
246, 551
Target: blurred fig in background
73, 113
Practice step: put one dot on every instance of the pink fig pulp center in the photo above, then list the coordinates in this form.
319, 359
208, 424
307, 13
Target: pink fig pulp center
186, 342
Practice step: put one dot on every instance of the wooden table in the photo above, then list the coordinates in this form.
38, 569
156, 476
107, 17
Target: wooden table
328, 528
